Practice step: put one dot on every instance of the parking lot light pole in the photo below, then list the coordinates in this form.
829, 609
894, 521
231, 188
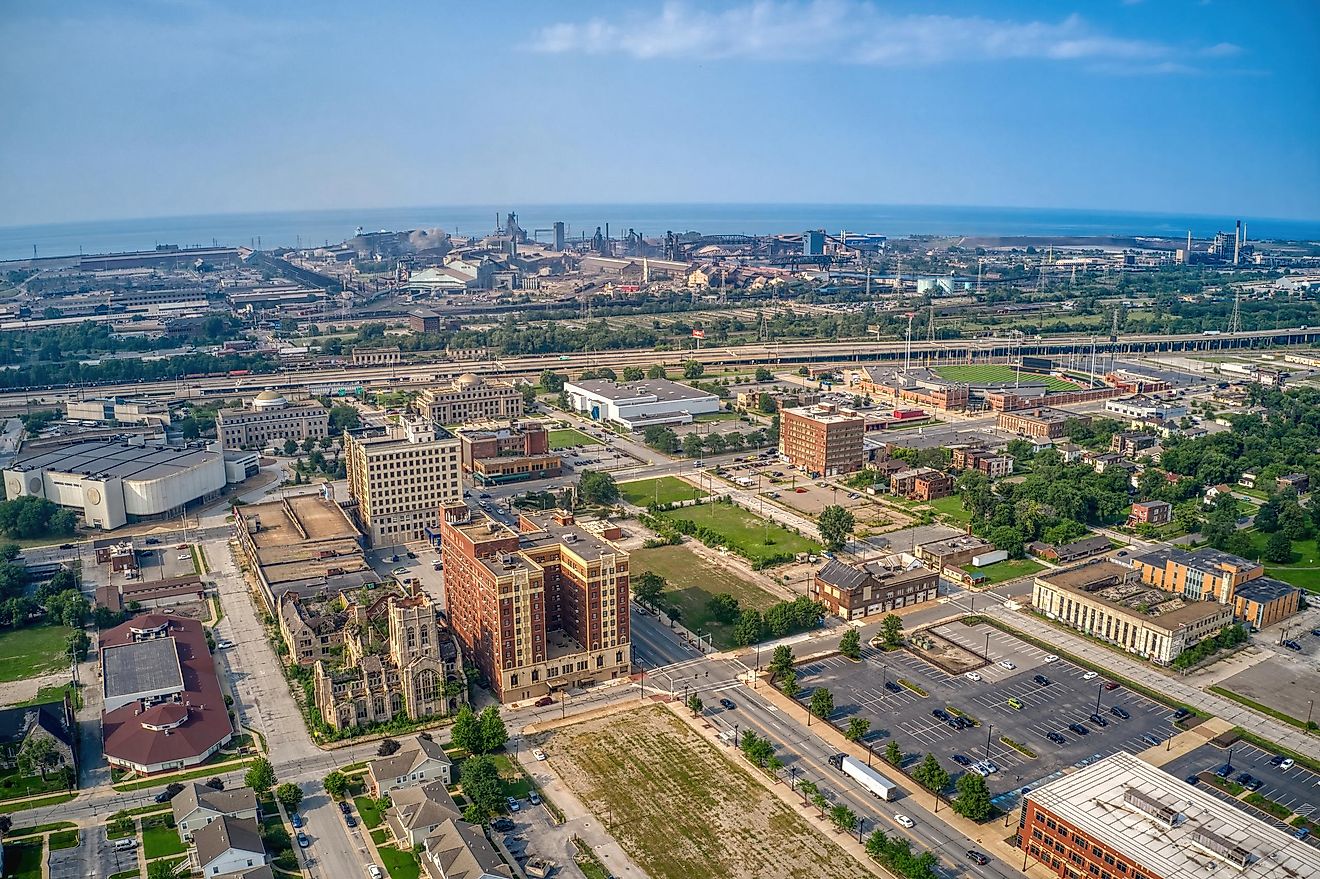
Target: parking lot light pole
1310, 704
986, 654
990, 732
1099, 690
861, 825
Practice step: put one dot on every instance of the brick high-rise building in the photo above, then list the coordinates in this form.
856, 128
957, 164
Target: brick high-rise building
820, 440
537, 609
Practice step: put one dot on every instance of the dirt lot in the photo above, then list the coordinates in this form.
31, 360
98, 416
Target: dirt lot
681, 809
953, 658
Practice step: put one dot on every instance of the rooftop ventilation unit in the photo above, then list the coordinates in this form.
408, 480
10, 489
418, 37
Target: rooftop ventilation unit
1150, 807
1211, 841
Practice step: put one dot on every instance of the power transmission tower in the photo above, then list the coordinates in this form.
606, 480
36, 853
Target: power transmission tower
1235, 320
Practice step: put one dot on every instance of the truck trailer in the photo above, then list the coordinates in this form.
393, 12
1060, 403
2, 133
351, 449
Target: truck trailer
875, 783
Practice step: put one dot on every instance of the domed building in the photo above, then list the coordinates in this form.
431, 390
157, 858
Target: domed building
269, 419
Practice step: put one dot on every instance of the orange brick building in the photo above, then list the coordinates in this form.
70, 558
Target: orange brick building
821, 441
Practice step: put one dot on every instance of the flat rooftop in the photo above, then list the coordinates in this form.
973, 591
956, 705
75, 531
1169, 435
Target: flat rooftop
954, 544
823, 416
114, 459
1043, 414
662, 389
142, 667
299, 518
1118, 587
1172, 828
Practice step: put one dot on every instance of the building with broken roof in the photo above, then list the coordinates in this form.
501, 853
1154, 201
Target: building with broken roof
1208, 574
1122, 817
877, 586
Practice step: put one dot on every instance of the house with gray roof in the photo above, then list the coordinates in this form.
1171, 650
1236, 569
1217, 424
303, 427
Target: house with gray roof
418, 811
228, 845
458, 850
198, 805
424, 760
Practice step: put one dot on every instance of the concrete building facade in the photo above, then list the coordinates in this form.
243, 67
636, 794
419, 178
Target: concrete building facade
268, 420
507, 451
638, 405
1041, 422
855, 592
470, 398
399, 481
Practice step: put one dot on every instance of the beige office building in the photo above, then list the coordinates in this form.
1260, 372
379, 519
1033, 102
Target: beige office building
268, 420
400, 480
470, 398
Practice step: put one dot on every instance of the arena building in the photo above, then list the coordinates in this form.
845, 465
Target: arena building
113, 483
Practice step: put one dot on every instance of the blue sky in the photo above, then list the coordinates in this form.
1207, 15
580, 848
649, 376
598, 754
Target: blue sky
138, 109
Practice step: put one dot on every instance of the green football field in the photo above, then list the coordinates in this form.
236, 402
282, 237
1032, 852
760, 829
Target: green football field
995, 372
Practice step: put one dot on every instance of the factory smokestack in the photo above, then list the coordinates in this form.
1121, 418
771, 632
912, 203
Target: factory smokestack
1237, 242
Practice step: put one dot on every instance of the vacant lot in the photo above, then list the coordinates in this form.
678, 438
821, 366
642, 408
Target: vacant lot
755, 537
1302, 571
23, 860
661, 490
1010, 569
31, 652
569, 437
952, 506
692, 583
1000, 373
683, 810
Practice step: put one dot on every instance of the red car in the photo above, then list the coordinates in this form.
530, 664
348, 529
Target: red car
1110, 685
544, 701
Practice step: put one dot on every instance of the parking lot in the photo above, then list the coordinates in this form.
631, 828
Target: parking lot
1069, 698
1297, 788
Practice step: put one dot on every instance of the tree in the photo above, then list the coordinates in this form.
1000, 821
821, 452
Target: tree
857, 728
693, 445
723, 607
843, 818
1278, 548
633, 374
931, 774
290, 447
598, 487
648, 587
260, 776
215, 783
655, 371
763, 374
482, 786
788, 684
749, 628
973, 800
766, 404
336, 783
695, 704
891, 630
822, 703
343, 417
552, 381
36, 756
387, 747
850, 645
835, 524
693, 369
6, 825
492, 731
78, 645
466, 731
715, 444
289, 795
893, 753
781, 661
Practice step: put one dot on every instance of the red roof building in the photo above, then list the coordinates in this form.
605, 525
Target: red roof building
164, 708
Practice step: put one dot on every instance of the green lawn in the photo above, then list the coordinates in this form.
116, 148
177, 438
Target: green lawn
13, 783
994, 372
951, 506
33, 651
23, 860
569, 437
1304, 569
661, 490
692, 583
63, 839
716, 416
369, 809
50, 694
41, 802
399, 864
516, 784
1009, 569
746, 531
159, 842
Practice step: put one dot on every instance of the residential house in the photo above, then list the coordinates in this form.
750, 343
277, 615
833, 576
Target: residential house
422, 761
1151, 513
416, 812
1065, 553
458, 850
1298, 482
921, 483
198, 805
1069, 452
227, 845
1216, 491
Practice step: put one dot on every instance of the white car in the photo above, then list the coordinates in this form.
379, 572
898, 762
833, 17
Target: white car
184, 557
538, 753
972, 676
1287, 764
374, 872
904, 820
1050, 657
1004, 663
399, 572
223, 644
1090, 675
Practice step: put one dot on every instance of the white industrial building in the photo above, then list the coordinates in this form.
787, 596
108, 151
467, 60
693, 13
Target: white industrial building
113, 483
1146, 408
638, 405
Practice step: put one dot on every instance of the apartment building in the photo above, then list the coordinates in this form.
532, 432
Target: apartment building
537, 609
821, 440
1210, 575
1150, 513
1107, 600
993, 464
398, 481
921, 483
1041, 422
268, 420
470, 398
878, 586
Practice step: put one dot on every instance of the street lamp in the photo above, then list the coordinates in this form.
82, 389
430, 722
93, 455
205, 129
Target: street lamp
1310, 703
986, 653
1098, 691
988, 733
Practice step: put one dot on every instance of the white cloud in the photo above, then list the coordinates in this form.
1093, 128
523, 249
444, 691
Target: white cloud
856, 32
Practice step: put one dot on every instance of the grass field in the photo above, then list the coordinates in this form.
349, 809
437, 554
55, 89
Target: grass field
369, 811
161, 841
33, 651
716, 416
662, 489
682, 809
23, 860
951, 506
63, 839
569, 437
399, 864
1010, 569
995, 372
692, 583
746, 530
1304, 569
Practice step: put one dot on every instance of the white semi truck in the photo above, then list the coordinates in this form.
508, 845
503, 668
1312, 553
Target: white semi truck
875, 783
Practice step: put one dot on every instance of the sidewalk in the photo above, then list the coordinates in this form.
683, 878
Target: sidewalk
1259, 724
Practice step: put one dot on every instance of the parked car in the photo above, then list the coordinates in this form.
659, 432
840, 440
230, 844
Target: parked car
345, 807
170, 792
904, 820
1042, 680
1111, 685
1243, 778
1004, 663
976, 857
152, 541
893, 687
1180, 713
1015, 703
1098, 720
296, 820
1056, 738
534, 798
538, 753
223, 644
940, 714
512, 804
544, 701
502, 824
374, 872
1292, 645
350, 821
1048, 658
303, 841
1193, 779
1078, 728
1119, 712
1090, 675
1254, 785
1276, 760
1287, 764
1224, 771
972, 676
962, 760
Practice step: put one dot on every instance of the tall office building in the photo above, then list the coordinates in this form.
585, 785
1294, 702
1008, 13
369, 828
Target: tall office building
400, 480
538, 609
820, 440
470, 398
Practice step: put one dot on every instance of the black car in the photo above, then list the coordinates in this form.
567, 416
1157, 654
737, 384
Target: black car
1078, 728
727, 704
171, 790
940, 714
893, 687
1243, 778
1276, 760
1119, 712
66, 546
1180, 713
976, 857
1193, 779
1254, 785
962, 760
1292, 645
152, 541
1224, 771
1098, 720
1042, 680
1316, 632
350, 820
502, 824
345, 807
483, 496
1056, 738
